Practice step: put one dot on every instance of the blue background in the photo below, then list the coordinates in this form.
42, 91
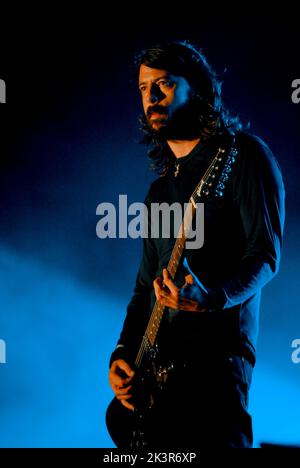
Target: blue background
69, 141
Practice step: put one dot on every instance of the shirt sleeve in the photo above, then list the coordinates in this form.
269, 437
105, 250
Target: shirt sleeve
259, 194
138, 309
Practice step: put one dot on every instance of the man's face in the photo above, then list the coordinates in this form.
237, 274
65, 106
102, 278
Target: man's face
162, 95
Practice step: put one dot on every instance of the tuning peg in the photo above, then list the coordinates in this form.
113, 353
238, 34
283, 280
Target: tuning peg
224, 178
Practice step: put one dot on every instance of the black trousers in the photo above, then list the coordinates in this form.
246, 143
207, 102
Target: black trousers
204, 405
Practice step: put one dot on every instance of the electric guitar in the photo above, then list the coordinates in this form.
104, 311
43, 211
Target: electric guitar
131, 429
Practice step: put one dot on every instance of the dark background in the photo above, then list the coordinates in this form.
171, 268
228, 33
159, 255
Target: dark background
69, 141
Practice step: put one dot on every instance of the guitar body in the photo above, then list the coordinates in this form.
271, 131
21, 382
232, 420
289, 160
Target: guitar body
133, 429
120, 423
129, 429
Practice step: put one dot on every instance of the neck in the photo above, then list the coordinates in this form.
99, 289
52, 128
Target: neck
182, 148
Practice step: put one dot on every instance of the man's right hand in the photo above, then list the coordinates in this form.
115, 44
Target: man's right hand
120, 378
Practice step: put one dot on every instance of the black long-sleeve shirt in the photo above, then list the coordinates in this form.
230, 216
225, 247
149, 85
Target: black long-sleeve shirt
241, 253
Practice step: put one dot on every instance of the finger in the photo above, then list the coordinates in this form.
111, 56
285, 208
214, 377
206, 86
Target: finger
125, 367
169, 302
189, 291
127, 405
115, 380
168, 282
196, 280
192, 306
163, 294
182, 304
188, 280
177, 302
157, 293
157, 284
117, 376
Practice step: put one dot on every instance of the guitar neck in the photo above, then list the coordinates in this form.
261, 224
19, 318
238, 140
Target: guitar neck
152, 329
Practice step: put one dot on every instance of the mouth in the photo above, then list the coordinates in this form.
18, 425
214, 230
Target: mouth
157, 112
158, 118
156, 115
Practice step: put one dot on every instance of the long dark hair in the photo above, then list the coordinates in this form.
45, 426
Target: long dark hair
183, 59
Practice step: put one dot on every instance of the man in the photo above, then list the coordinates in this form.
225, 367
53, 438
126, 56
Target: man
210, 323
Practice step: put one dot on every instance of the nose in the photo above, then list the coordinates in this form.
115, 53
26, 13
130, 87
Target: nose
155, 94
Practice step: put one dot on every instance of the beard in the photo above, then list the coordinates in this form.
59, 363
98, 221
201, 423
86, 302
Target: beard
183, 124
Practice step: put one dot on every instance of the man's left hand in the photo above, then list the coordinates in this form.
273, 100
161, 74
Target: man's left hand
192, 296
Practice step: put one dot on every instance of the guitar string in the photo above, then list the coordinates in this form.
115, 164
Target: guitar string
147, 337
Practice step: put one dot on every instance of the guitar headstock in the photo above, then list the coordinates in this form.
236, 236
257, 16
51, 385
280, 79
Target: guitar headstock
214, 181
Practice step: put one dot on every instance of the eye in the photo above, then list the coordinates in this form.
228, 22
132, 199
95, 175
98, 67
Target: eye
165, 83
142, 89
